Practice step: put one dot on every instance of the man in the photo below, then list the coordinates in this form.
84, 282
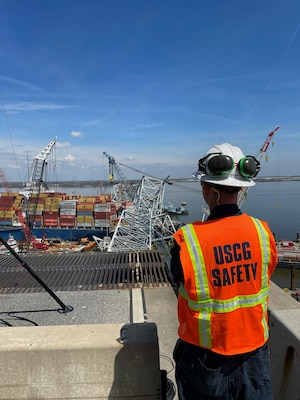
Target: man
222, 269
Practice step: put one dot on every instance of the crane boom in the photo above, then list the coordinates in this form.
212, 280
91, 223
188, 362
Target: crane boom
33, 186
4, 181
243, 193
40, 161
126, 189
265, 146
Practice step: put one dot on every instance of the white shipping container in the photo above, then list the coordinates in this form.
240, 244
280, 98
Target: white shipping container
84, 224
102, 208
68, 204
102, 223
67, 211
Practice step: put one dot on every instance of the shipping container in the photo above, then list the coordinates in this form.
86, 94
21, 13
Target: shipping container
84, 224
67, 211
67, 221
51, 222
6, 222
102, 207
102, 223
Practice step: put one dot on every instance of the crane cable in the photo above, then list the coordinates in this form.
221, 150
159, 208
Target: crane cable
167, 181
9, 132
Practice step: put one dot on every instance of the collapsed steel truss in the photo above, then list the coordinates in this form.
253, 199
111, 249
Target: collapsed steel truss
144, 225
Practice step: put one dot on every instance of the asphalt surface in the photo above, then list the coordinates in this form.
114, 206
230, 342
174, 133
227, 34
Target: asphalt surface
86, 307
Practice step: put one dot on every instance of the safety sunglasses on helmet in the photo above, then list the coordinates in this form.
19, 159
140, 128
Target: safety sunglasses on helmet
221, 164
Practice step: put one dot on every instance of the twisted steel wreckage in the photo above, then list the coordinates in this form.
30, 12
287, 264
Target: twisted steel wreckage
143, 224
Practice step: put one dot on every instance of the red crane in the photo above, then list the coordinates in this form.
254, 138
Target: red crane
243, 193
26, 230
266, 143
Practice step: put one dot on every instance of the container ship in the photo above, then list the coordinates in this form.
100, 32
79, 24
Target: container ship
57, 215
49, 214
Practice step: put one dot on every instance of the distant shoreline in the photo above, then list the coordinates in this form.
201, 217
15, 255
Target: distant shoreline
102, 183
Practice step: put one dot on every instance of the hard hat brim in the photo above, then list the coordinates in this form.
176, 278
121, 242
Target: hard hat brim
225, 180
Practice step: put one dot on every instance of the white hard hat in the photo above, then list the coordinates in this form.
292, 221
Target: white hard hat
226, 165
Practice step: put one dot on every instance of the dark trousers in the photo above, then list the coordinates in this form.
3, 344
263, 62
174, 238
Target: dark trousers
205, 375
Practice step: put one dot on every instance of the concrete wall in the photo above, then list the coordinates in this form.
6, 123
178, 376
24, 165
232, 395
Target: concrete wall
80, 362
89, 362
284, 321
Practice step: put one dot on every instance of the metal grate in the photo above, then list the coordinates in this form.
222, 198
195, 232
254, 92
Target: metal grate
84, 271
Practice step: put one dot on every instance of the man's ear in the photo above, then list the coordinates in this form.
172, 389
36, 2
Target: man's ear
205, 188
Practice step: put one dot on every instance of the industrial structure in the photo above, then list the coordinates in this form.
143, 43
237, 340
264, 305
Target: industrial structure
124, 190
33, 187
259, 156
31, 192
143, 225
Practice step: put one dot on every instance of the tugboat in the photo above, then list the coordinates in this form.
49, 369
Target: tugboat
181, 210
12, 243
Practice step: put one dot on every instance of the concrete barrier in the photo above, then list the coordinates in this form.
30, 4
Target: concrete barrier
284, 321
80, 362
117, 361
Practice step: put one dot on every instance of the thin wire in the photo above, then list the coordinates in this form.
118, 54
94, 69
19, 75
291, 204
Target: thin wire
187, 188
170, 361
277, 183
53, 156
218, 194
9, 132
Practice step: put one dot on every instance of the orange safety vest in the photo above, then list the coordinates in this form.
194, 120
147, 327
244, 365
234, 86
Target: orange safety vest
227, 264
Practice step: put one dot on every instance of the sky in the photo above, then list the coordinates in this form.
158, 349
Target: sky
152, 83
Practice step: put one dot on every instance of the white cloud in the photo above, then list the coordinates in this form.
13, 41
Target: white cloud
20, 83
30, 106
61, 145
149, 126
70, 158
77, 134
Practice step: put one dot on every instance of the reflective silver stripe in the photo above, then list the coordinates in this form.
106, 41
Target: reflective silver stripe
265, 251
201, 284
223, 306
197, 259
266, 258
204, 329
264, 320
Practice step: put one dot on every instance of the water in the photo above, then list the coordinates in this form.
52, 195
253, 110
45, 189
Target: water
275, 202
282, 277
